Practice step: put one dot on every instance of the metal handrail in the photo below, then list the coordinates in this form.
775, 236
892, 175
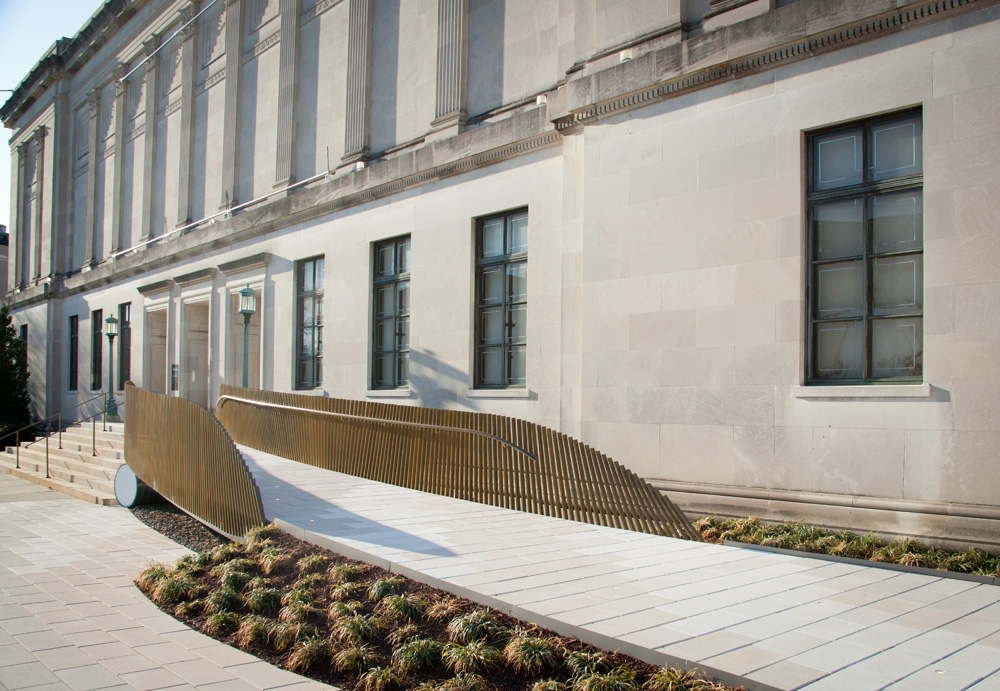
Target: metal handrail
491, 459
403, 423
94, 416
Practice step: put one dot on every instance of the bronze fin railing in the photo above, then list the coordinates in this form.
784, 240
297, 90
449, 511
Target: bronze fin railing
479, 457
180, 450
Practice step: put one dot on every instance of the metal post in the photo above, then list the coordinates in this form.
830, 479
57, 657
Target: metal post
47, 455
95, 434
60, 429
246, 335
17, 450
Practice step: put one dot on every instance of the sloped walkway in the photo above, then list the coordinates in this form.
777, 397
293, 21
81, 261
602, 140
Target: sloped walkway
764, 620
71, 618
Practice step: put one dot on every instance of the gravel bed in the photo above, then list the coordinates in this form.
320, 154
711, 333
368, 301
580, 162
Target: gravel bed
170, 521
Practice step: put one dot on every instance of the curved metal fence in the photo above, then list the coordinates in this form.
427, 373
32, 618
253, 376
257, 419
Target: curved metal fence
489, 459
180, 450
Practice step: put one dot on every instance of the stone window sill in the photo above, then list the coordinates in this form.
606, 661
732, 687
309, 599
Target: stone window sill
389, 393
498, 393
861, 391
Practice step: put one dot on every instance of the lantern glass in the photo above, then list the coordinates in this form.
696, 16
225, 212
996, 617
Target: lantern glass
248, 301
112, 326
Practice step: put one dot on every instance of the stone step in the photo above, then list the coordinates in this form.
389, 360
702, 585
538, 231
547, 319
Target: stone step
106, 460
83, 477
86, 437
88, 494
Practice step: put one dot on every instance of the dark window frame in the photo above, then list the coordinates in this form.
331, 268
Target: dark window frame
508, 344
308, 374
124, 344
398, 318
96, 349
74, 352
866, 192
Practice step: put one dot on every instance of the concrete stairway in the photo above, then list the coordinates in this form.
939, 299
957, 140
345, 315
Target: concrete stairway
74, 469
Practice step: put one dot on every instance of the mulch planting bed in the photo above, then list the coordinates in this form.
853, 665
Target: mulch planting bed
357, 626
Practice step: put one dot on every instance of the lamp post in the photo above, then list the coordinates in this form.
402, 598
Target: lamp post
248, 307
111, 407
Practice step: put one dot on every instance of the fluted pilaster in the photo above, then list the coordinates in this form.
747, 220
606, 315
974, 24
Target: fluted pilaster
20, 226
288, 92
151, 78
94, 102
36, 225
452, 58
121, 87
231, 116
359, 66
189, 50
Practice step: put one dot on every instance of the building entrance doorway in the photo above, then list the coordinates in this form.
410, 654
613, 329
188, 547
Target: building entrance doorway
155, 374
194, 368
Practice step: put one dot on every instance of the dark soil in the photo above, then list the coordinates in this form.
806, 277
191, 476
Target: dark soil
187, 531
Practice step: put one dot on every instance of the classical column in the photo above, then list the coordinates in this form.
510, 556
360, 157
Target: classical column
189, 49
121, 86
36, 226
20, 227
359, 68
288, 93
452, 58
94, 101
231, 116
149, 135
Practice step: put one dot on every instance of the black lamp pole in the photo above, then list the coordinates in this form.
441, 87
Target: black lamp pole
248, 307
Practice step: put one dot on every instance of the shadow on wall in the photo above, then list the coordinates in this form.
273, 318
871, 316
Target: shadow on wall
439, 384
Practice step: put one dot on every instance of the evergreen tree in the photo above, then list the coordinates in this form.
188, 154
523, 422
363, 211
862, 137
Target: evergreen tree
15, 411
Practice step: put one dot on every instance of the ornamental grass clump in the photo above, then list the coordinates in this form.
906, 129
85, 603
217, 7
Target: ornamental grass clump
384, 587
175, 587
617, 679
223, 600
345, 573
254, 629
417, 655
472, 657
581, 663
532, 656
446, 608
355, 659
476, 625
340, 610
672, 679
222, 622
272, 559
548, 685
297, 612
226, 552
401, 607
355, 629
189, 608
310, 581
308, 653
346, 591
193, 563
151, 575
379, 679
311, 563
262, 600
402, 634
262, 533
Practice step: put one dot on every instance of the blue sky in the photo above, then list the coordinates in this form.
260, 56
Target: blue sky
27, 30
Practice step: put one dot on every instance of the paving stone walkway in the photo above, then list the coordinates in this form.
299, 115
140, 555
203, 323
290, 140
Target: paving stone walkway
766, 620
71, 618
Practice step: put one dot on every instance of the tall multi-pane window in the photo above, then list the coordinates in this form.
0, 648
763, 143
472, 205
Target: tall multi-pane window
501, 300
866, 252
96, 324
74, 350
124, 343
391, 317
309, 323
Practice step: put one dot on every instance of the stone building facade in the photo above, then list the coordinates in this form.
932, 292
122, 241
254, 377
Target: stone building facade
747, 248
